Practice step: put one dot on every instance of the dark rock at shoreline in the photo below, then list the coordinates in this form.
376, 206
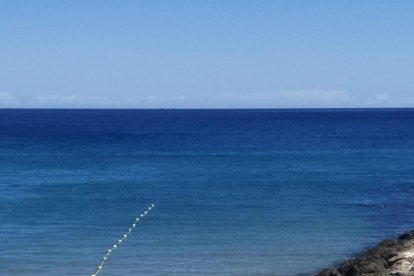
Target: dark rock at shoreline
390, 257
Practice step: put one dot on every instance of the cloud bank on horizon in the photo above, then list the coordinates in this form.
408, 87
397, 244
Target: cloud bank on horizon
206, 54
315, 98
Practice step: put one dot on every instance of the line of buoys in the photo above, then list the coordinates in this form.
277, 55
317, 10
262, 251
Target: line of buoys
124, 237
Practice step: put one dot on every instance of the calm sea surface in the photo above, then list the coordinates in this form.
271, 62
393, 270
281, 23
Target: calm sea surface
238, 192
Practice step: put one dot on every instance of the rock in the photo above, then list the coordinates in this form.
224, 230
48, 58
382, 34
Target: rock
390, 257
329, 272
407, 236
395, 259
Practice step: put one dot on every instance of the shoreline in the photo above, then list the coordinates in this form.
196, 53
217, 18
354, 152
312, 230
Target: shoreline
389, 257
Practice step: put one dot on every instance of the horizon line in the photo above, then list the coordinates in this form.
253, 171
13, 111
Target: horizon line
199, 108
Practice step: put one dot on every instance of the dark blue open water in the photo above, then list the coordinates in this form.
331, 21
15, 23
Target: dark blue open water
238, 192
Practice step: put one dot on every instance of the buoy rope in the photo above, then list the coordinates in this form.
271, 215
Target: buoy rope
124, 237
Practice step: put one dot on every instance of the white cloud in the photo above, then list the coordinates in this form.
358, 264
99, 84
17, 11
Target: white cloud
381, 99
267, 99
7, 99
386, 100
79, 101
302, 98
73, 100
273, 99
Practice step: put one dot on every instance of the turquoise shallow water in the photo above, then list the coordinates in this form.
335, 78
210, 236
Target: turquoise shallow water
238, 192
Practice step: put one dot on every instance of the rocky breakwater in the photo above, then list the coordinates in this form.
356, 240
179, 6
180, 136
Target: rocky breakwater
390, 257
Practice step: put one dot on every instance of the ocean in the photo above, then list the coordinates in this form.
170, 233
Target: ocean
237, 192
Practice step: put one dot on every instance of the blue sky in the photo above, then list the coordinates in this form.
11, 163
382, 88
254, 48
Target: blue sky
220, 54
